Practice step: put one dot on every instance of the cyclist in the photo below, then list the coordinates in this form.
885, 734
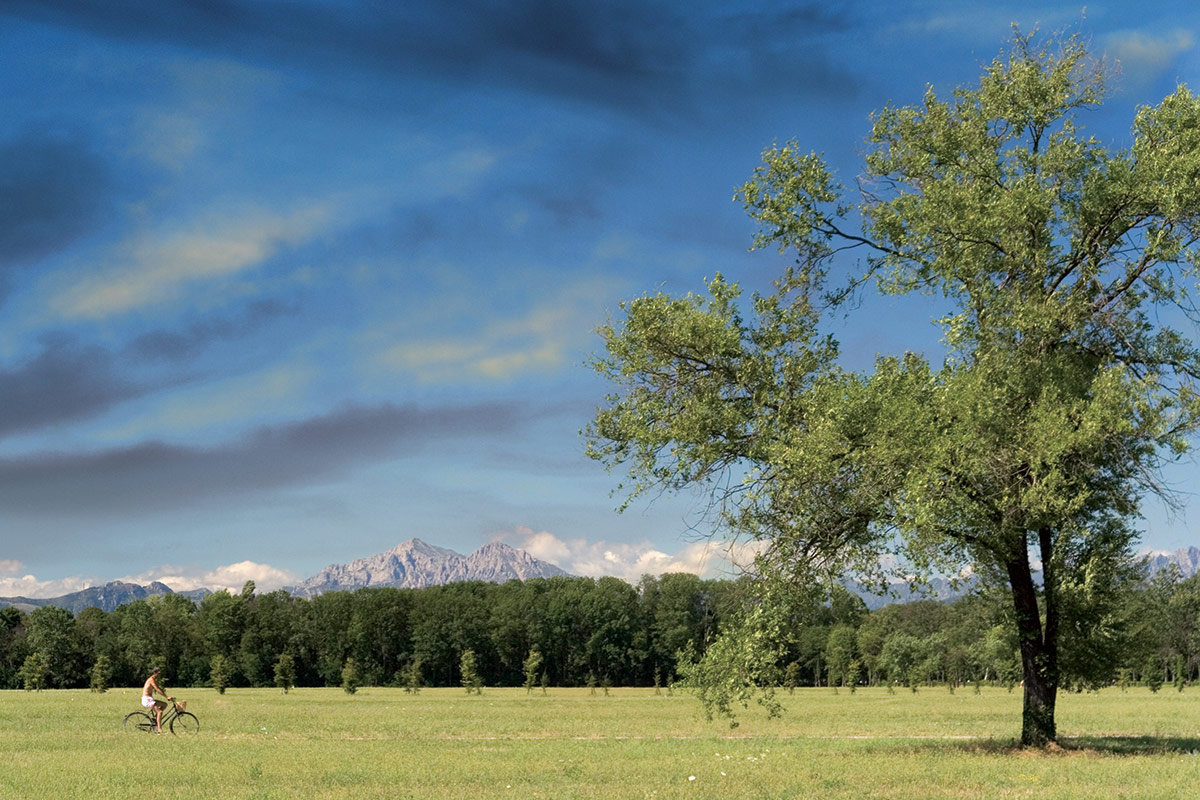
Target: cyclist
148, 689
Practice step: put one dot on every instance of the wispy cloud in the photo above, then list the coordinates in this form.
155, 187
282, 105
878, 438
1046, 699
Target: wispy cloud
630, 562
1143, 57
501, 349
160, 267
151, 477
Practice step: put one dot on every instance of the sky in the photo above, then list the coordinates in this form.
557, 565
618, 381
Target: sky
284, 284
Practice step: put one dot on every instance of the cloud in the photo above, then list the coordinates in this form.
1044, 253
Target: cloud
29, 586
183, 344
9, 566
636, 56
1142, 57
231, 577
502, 349
154, 476
66, 381
154, 269
630, 561
52, 192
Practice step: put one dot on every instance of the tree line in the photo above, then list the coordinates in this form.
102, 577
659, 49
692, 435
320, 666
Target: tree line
576, 632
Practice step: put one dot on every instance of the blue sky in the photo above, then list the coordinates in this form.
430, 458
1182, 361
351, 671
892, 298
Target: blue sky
287, 283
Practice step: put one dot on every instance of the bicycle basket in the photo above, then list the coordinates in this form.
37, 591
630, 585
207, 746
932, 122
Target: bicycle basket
181, 705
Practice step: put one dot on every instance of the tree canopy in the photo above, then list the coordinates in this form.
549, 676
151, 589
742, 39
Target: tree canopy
1066, 266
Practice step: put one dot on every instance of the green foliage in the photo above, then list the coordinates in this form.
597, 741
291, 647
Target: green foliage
743, 663
469, 670
531, 666
34, 672
100, 675
1152, 674
218, 673
285, 672
413, 677
350, 677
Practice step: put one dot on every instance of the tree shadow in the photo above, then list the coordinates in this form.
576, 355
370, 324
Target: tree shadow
1133, 745
1106, 745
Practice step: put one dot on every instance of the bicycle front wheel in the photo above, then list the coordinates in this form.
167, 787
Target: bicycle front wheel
138, 721
185, 723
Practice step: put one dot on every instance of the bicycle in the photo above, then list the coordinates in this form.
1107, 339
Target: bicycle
176, 718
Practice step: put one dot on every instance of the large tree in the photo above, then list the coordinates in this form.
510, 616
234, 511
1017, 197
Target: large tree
1059, 272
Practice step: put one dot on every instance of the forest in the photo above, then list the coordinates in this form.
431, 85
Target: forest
581, 631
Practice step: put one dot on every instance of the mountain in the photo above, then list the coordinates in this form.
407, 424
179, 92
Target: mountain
1186, 558
106, 597
416, 564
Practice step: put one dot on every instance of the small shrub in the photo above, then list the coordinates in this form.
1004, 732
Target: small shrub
101, 673
350, 677
285, 672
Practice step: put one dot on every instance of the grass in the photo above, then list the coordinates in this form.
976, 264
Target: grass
382, 743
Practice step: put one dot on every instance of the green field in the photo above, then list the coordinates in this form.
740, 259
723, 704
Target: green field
382, 743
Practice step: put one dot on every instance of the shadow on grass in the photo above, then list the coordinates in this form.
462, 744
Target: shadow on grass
1098, 745
1134, 745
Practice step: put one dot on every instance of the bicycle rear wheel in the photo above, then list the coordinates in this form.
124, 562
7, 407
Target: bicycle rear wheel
185, 723
138, 721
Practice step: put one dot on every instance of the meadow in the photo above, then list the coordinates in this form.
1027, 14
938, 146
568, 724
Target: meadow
569, 743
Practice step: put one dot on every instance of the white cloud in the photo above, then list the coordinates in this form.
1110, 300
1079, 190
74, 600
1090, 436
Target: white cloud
159, 267
630, 561
30, 586
231, 577
1142, 57
542, 339
9, 566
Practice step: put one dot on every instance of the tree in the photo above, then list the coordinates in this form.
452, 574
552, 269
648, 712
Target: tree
285, 671
350, 679
413, 679
101, 673
1061, 265
531, 667
219, 673
469, 669
33, 672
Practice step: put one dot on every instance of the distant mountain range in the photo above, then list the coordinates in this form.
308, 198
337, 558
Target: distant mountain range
410, 565
106, 597
416, 564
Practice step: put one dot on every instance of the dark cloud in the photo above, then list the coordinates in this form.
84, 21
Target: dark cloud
153, 477
52, 191
66, 381
633, 55
182, 345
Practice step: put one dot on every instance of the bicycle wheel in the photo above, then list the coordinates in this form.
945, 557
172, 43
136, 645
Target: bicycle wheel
138, 721
185, 723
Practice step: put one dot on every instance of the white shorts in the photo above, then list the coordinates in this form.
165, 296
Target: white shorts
147, 701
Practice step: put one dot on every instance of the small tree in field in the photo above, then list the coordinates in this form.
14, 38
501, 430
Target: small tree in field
285, 672
218, 673
350, 677
33, 672
471, 680
1152, 674
531, 667
1064, 271
413, 679
101, 673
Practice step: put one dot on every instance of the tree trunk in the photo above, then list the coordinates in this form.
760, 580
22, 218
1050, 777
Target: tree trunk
1039, 646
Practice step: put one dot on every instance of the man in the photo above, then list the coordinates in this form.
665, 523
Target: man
148, 689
